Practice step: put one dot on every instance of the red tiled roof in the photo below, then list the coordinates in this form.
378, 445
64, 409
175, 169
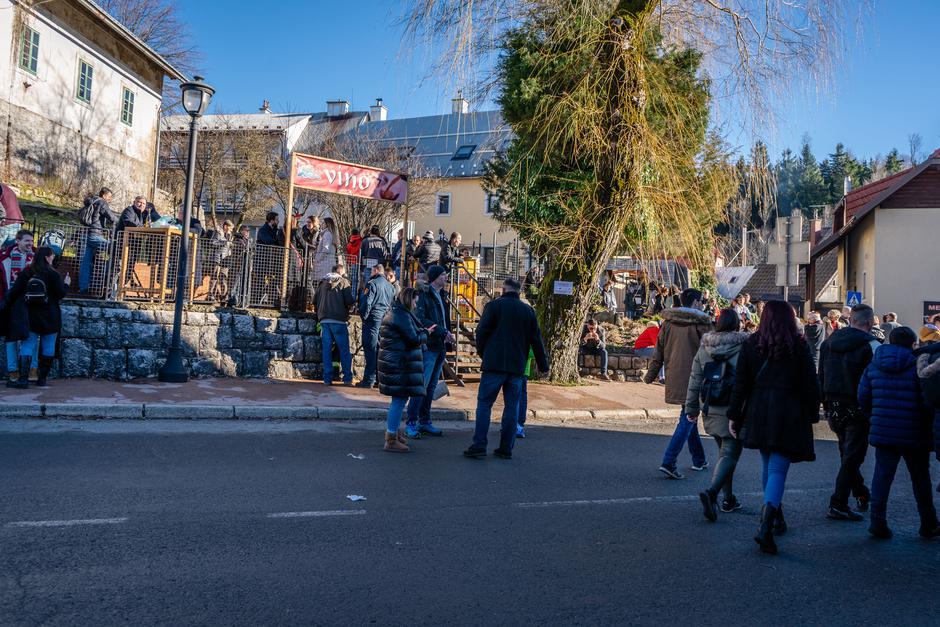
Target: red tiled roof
858, 198
935, 154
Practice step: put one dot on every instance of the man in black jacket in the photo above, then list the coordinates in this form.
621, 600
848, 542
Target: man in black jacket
842, 360
508, 330
428, 252
374, 251
269, 234
334, 298
100, 229
431, 312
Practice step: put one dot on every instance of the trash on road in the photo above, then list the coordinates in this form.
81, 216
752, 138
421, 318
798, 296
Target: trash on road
359, 456
355, 497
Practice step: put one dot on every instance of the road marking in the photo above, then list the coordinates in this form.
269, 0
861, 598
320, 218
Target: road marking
67, 523
647, 499
320, 514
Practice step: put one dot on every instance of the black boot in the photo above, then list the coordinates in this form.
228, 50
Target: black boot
765, 533
878, 526
780, 525
45, 365
23, 382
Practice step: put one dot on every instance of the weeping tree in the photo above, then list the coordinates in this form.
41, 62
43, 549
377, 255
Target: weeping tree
609, 101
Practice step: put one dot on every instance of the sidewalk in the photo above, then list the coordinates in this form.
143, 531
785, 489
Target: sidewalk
264, 399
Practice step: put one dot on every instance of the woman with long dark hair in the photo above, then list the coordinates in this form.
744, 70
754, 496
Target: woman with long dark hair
713, 371
35, 296
324, 256
774, 404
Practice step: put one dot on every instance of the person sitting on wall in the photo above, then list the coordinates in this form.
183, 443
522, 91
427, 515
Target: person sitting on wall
594, 342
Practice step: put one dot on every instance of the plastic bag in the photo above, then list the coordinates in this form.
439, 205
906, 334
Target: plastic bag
440, 390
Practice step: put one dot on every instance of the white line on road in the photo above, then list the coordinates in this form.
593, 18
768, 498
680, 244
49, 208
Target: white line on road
335, 512
645, 499
67, 523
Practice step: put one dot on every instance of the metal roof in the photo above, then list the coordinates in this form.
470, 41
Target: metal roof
435, 139
239, 121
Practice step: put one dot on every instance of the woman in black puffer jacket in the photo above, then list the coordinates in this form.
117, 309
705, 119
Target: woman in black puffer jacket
401, 363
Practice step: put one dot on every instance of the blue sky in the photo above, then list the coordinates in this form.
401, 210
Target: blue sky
300, 53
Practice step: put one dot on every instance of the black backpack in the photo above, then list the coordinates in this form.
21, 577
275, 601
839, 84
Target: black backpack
88, 214
717, 383
36, 292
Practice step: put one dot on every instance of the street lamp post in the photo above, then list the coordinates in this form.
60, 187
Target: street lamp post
196, 97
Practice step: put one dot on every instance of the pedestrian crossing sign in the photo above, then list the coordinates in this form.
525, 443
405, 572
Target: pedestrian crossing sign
853, 298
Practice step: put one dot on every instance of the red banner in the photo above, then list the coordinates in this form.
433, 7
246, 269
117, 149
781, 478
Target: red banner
337, 177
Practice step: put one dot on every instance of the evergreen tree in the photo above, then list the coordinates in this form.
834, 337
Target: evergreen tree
894, 163
811, 188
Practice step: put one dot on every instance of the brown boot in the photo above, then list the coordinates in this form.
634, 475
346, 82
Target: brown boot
393, 445
33, 374
401, 435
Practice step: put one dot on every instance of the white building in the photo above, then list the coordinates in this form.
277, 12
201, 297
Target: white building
80, 99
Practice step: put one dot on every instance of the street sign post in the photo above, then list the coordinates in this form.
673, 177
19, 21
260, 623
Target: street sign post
789, 252
852, 299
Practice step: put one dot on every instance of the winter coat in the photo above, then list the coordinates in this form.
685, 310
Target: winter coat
14, 322
10, 212
428, 253
41, 319
352, 250
601, 334
508, 329
679, 338
450, 255
889, 394
928, 364
220, 246
270, 235
647, 339
815, 335
428, 312
324, 258
374, 250
104, 220
401, 358
380, 294
775, 402
842, 360
333, 298
130, 218
725, 346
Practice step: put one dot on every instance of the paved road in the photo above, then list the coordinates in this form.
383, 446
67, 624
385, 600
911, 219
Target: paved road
250, 524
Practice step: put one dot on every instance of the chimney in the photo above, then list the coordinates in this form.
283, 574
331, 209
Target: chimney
815, 229
337, 108
265, 106
460, 104
846, 185
378, 112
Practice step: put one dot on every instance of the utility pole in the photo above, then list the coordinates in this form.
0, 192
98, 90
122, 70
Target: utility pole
744, 245
786, 285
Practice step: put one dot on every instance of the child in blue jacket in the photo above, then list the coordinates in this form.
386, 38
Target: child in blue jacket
889, 392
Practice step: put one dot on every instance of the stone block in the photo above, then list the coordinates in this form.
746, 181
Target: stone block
114, 336
212, 319
313, 348
94, 410
294, 347
91, 312
563, 415
255, 364
195, 318
589, 361
287, 325
142, 335
352, 413
190, 337
115, 313
270, 341
641, 363
244, 327
20, 410
208, 339
70, 321
224, 318
280, 369
141, 363
76, 358
309, 371
265, 325
230, 363
144, 315
223, 337
205, 366
164, 317
628, 415
109, 364
92, 329
613, 362
307, 325
169, 411
275, 412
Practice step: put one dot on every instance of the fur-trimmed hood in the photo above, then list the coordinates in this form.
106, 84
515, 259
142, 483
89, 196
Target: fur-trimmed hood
686, 316
925, 369
723, 344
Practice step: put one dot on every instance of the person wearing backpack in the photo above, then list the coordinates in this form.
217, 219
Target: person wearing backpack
97, 216
889, 394
36, 295
710, 386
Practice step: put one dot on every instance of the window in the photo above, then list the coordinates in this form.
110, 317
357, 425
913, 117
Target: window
29, 50
463, 153
85, 72
127, 106
492, 204
443, 204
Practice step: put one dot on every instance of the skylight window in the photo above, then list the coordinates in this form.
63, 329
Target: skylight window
463, 153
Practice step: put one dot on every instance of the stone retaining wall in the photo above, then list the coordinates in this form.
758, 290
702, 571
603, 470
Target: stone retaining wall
130, 340
623, 366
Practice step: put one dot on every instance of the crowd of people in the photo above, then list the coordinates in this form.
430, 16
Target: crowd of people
761, 388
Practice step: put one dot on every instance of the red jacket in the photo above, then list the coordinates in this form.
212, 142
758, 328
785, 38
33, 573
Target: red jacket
352, 250
11, 207
648, 338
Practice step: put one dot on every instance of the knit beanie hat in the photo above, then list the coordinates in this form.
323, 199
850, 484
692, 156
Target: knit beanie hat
434, 272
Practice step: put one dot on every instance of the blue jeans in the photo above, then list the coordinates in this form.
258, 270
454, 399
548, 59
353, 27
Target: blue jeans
338, 333
490, 385
419, 407
370, 346
13, 362
774, 477
917, 461
46, 345
685, 432
395, 409
93, 244
523, 402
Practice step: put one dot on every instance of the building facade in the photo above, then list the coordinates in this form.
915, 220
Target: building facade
80, 99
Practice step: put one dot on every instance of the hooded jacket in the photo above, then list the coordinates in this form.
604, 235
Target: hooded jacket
352, 250
333, 297
726, 347
815, 335
889, 392
401, 358
842, 360
678, 341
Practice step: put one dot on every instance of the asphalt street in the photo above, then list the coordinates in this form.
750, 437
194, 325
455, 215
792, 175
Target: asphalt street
203, 524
